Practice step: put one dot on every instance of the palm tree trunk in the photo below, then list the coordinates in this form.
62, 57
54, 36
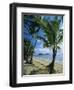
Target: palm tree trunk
31, 60
51, 66
27, 53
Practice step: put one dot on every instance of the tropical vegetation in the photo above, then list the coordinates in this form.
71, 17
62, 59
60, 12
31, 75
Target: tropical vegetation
52, 37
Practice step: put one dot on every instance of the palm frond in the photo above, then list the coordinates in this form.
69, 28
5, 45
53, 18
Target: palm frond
42, 38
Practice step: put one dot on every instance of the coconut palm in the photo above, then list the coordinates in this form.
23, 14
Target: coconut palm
52, 38
34, 33
27, 45
31, 29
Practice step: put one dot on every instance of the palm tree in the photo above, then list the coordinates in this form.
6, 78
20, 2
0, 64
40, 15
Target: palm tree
27, 45
52, 38
32, 29
34, 33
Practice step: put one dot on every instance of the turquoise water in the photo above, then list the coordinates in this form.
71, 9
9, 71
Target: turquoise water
48, 57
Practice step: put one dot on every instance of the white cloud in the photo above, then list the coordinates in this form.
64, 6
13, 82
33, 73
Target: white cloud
42, 50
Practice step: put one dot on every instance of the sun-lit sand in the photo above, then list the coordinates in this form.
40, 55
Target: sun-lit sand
39, 67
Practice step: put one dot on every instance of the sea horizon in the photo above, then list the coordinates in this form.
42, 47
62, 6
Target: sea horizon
48, 57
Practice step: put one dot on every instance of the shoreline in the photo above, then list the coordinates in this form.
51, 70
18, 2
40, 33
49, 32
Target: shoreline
47, 60
40, 67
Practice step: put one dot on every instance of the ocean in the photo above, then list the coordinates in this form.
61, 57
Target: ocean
48, 57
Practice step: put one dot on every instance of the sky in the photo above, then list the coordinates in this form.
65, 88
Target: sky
39, 45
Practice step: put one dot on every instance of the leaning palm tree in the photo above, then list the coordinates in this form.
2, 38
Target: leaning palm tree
34, 33
52, 38
31, 29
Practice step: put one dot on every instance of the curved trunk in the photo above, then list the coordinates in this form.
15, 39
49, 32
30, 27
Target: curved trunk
31, 60
51, 66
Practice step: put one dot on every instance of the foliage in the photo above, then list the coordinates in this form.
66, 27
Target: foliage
53, 35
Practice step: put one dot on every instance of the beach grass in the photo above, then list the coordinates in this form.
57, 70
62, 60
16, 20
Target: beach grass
40, 67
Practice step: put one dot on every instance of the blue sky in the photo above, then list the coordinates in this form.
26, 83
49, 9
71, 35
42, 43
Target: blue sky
39, 45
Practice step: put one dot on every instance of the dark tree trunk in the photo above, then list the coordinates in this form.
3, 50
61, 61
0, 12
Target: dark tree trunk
27, 61
51, 66
25, 56
28, 54
31, 60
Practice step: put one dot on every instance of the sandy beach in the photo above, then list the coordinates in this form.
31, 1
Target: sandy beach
40, 67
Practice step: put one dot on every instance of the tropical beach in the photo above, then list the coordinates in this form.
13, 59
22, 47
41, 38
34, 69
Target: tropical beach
42, 44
